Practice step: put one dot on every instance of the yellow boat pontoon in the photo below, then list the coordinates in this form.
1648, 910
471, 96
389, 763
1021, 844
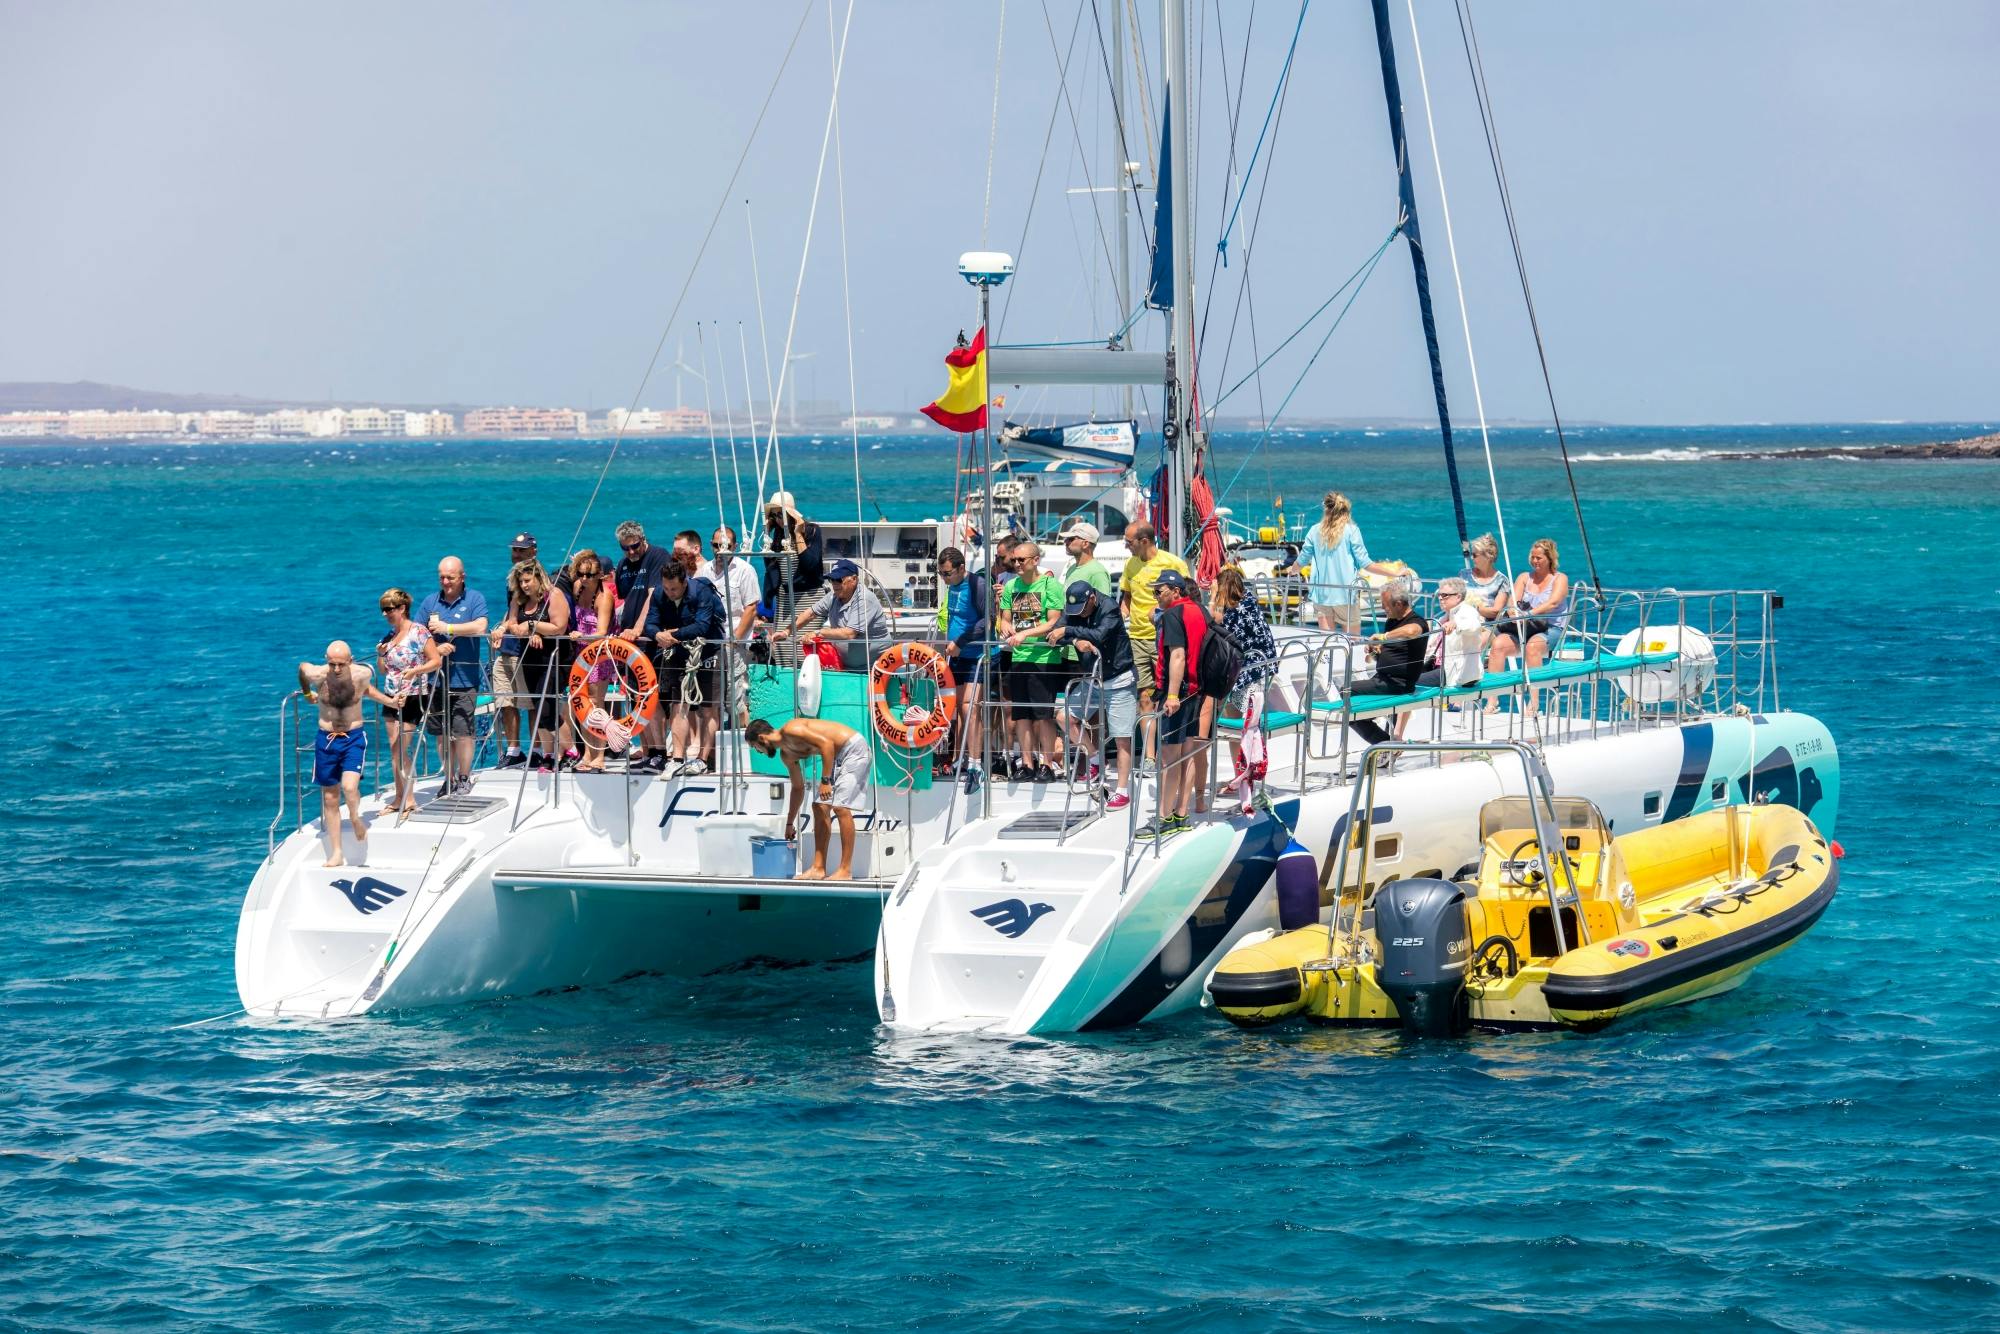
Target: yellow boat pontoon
1611, 927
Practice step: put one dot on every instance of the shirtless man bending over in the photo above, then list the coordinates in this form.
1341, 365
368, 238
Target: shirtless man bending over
338, 687
844, 762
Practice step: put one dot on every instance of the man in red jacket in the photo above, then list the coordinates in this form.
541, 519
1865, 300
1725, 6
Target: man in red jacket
1184, 710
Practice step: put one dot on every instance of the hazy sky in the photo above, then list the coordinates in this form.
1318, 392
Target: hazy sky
1731, 212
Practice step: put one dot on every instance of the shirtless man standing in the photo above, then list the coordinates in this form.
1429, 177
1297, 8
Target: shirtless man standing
338, 687
844, 761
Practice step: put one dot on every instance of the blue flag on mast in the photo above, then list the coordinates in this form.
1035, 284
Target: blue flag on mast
1160, 286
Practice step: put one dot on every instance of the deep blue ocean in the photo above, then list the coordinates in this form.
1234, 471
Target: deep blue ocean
1815, 1151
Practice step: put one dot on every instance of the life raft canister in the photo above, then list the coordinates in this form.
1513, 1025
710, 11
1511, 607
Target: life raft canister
636, 674
904, 722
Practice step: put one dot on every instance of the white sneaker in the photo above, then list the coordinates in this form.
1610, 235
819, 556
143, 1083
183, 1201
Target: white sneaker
693, 769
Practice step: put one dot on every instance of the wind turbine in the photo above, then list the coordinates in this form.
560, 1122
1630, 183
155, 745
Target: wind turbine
792, 384
680, 366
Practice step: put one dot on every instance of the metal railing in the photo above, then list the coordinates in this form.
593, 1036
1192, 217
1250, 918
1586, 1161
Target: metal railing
1314, 669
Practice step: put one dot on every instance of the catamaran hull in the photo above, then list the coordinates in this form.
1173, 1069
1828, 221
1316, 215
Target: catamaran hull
1133, 948
526, 894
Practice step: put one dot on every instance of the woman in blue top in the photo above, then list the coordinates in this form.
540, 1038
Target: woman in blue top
1336, 556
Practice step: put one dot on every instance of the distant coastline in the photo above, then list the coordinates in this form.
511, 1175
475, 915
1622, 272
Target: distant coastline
1977, 447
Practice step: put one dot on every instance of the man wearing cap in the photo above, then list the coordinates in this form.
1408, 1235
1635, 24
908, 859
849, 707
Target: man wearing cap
1093, 626
638, 579
1135, 587
508, 686
850, 611
1080, 541
1184, 710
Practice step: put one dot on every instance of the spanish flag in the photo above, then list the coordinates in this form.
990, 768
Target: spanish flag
962, 406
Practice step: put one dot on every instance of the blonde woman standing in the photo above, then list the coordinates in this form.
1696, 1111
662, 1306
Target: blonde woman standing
405, 654
1336, 557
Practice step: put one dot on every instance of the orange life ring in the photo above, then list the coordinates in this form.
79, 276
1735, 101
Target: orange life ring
904, 723
636, 674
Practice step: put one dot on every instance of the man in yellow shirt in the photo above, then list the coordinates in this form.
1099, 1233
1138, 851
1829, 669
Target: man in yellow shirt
1136, 599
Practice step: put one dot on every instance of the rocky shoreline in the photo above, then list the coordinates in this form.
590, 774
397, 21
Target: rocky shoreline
1979, 447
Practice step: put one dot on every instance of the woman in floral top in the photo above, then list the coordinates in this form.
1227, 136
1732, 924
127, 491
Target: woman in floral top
406, 654
1243, 620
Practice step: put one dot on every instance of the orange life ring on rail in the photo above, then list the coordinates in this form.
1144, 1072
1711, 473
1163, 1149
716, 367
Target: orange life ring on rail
904, 722
639, 679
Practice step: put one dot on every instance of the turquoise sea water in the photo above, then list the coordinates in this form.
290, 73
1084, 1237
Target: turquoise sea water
1815, 1151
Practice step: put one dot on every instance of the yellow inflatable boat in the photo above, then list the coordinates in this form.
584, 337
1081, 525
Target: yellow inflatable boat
1614, 927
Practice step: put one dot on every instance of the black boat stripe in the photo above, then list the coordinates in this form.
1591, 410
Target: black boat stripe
1678, 967
1697, 748
1256, 863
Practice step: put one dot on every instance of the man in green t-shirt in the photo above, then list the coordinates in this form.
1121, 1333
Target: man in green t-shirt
1031, 605
1080, 541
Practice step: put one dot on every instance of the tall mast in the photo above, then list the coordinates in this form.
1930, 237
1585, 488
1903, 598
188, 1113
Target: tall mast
1180, 365
1121, 278
1392, 92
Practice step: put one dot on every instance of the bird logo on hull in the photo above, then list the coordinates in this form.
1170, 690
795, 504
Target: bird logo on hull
1011, 917
369, 894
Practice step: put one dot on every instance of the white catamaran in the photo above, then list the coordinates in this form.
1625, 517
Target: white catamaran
1657, 705
1012, 906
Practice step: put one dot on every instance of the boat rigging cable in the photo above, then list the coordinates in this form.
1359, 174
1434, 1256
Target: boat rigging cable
805, 249
1229, 172
708, 410
1357, 281
611, 455
1451, 251
846, 292
1106, 56
993, 132
693, 267
1035, 193
729, 421
1469, 37
759, 455
1284, 77
1392, 93
1076, 134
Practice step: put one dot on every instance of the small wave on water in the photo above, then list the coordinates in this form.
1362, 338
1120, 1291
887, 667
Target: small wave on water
1688, 454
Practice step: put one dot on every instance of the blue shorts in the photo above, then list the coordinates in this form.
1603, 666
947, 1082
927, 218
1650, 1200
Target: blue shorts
968, 671
337, 755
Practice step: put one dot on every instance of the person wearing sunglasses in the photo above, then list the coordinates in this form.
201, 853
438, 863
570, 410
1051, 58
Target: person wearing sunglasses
639, 599
406, 654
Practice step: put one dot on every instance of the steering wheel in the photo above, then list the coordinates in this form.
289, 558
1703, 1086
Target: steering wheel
1530, 872
1524, 872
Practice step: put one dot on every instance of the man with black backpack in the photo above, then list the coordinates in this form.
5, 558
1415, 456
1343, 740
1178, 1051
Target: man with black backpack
1195, 669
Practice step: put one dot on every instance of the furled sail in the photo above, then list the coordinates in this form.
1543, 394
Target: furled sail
1392, 92
1078, 444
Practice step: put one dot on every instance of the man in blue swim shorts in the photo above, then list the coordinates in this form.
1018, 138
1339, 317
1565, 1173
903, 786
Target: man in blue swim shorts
341, 746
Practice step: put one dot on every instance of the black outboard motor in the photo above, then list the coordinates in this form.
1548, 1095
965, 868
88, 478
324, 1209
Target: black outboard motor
1421, 925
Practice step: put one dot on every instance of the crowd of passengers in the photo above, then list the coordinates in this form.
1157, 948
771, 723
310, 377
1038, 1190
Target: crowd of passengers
1075, 662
